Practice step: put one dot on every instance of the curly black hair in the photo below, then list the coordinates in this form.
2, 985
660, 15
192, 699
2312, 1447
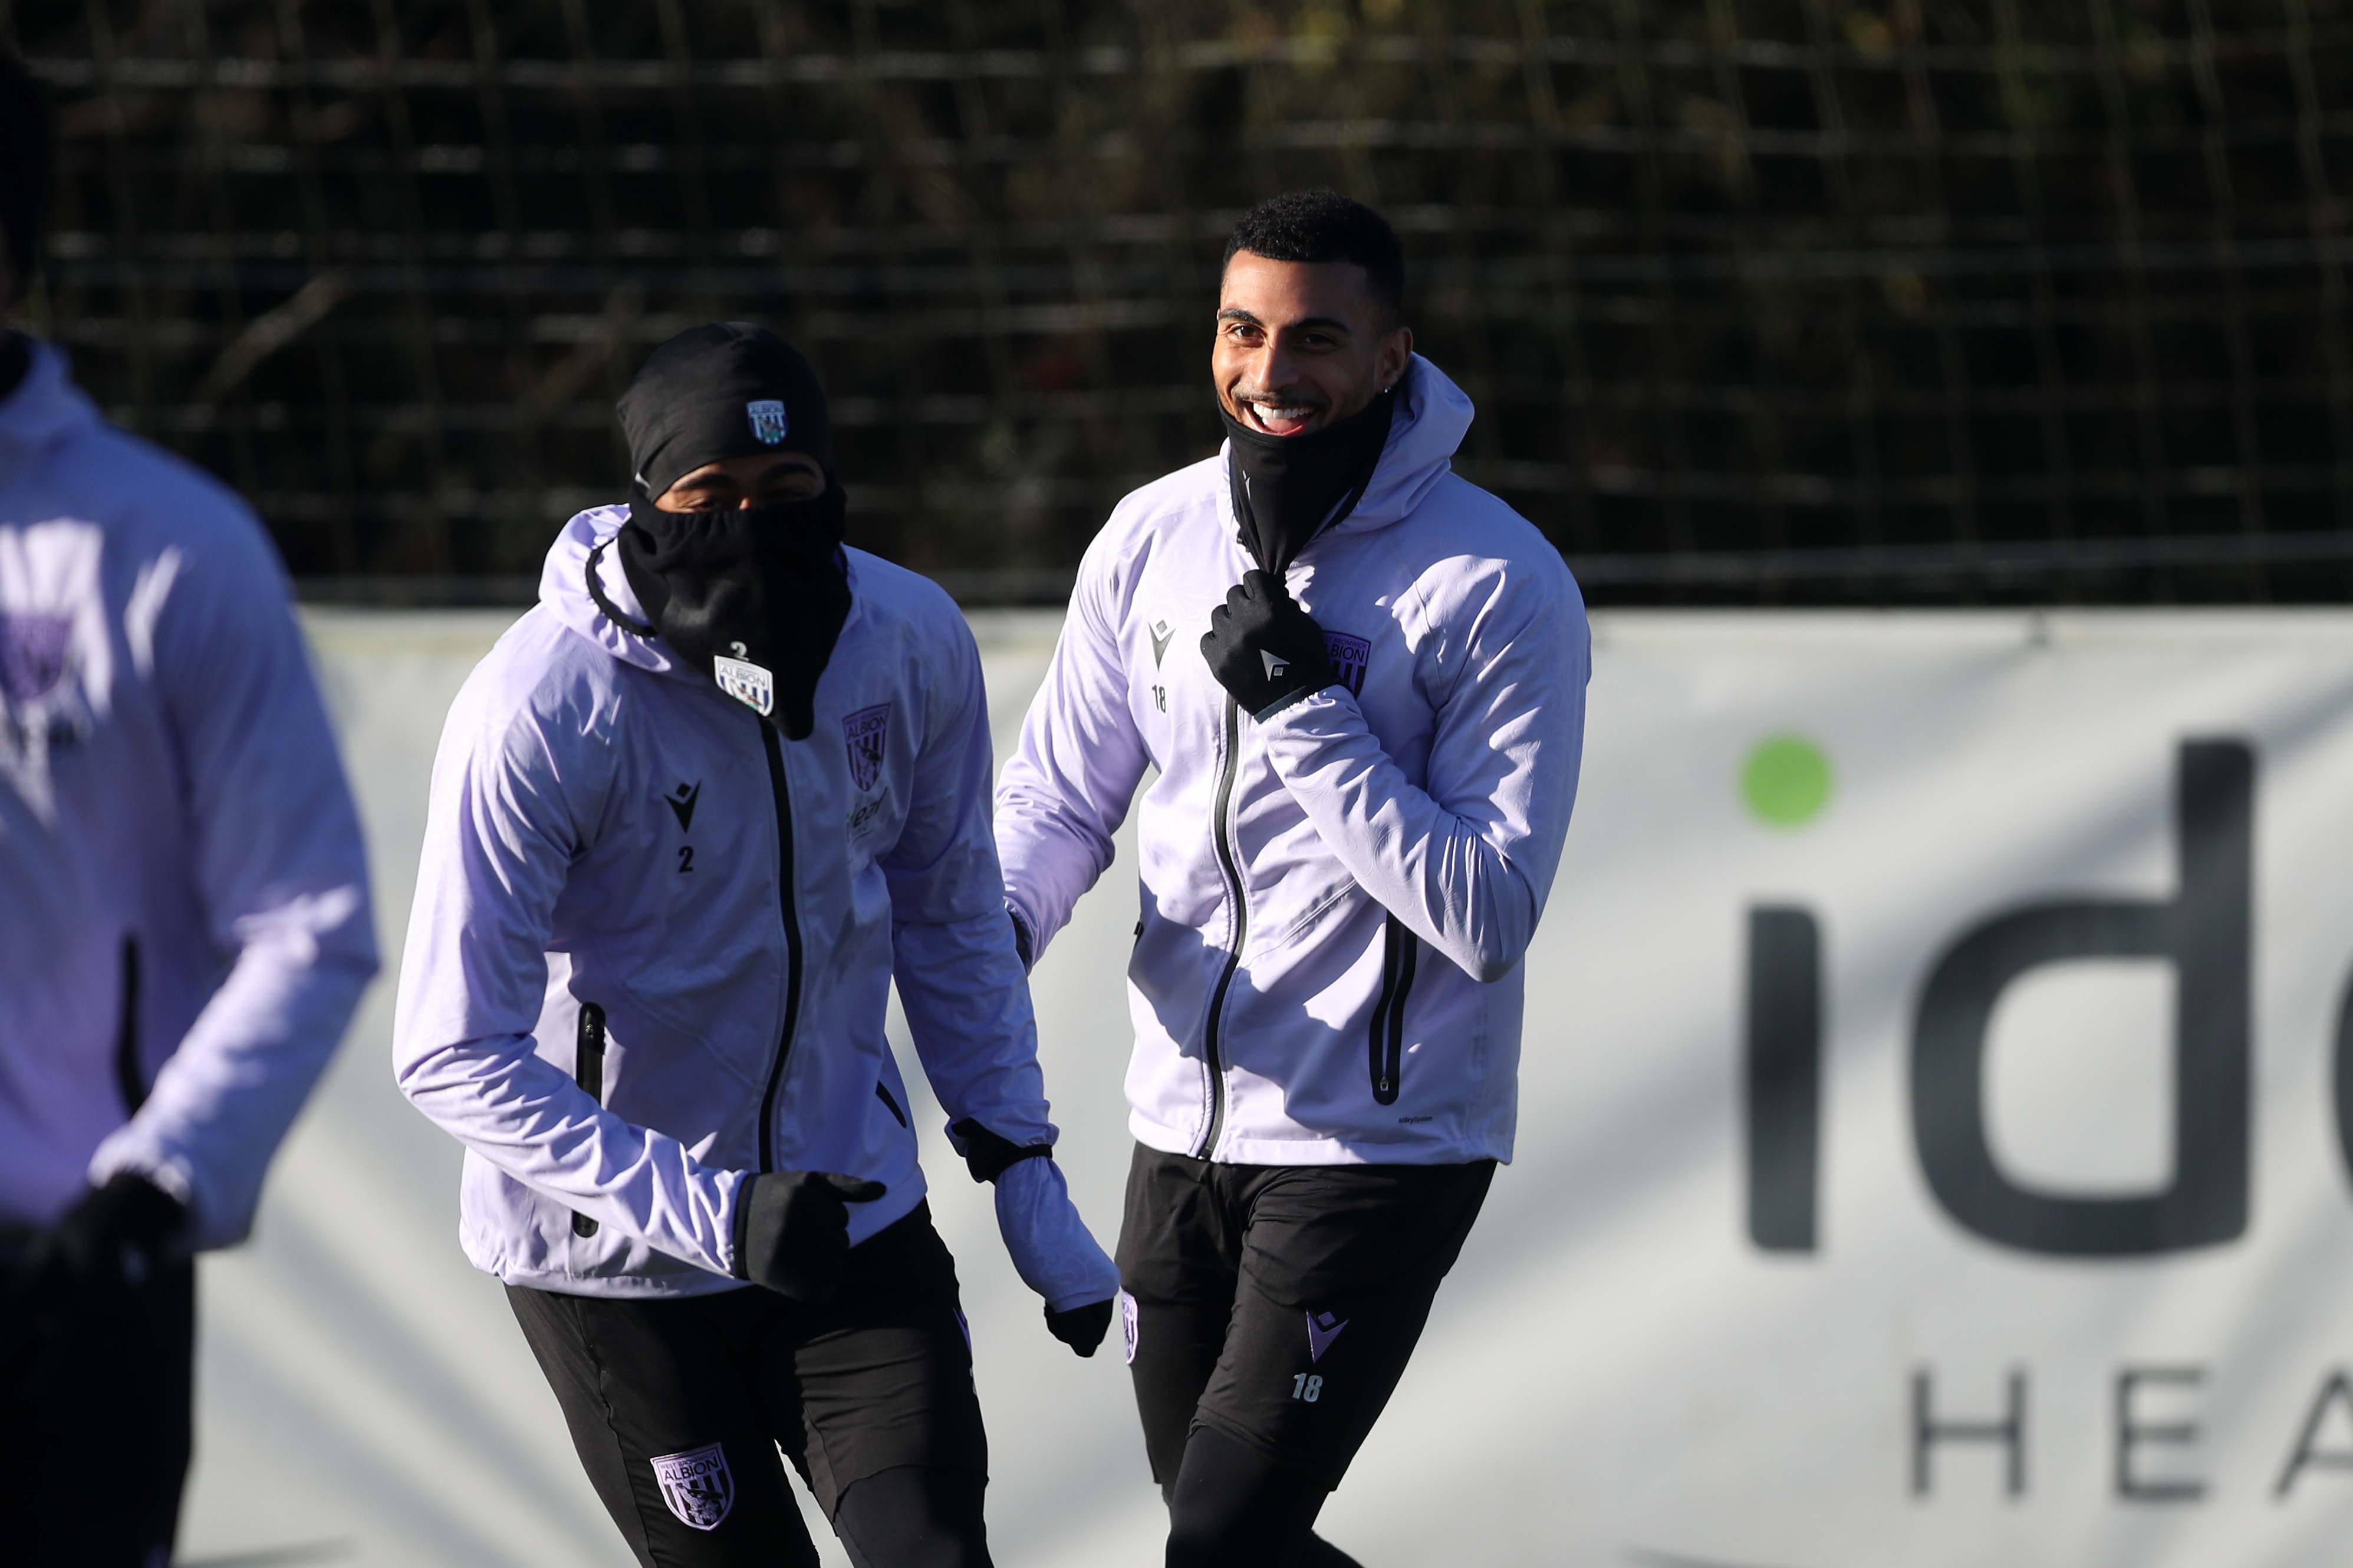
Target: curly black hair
1324, 225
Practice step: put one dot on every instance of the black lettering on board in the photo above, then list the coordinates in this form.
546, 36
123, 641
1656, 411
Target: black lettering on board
1782, 1078
2009, 1430
2134, 1433
2204, 934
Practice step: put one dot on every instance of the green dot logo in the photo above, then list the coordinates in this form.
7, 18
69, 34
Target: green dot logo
1786, 781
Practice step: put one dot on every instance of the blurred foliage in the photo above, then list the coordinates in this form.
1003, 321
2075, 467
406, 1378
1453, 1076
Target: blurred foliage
1722, 275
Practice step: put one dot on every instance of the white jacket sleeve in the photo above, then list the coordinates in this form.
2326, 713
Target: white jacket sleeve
1049, 1244
515, 796
1467, 862
966, 999
283, 877
1067, 789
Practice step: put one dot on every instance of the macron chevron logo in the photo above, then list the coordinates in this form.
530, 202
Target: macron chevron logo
1323, 1328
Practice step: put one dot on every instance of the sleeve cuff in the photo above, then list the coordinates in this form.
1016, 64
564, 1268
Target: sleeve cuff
989, 1155
1291, 700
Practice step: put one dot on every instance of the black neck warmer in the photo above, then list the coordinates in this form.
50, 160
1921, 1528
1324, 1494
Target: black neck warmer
1289, 488
760, 587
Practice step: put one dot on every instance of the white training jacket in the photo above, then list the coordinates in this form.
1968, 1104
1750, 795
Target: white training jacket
631, 884
1335, 901
184, 903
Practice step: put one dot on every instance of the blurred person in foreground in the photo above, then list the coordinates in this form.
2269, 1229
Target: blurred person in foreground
690, 820
183, 922
1362, 682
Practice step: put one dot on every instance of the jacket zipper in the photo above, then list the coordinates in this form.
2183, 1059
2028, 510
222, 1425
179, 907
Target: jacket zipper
1212, 1059
128, 1080
1400, 950
782, 793
588, 1071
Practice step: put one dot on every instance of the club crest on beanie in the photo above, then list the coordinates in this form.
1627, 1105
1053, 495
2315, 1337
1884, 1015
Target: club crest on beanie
770, 423
726, 389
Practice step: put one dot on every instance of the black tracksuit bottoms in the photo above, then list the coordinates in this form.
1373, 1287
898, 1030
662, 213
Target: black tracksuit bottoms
678, 1405
97, 1417
1270, 1311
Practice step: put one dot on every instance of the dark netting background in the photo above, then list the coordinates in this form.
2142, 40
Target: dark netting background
1761, 300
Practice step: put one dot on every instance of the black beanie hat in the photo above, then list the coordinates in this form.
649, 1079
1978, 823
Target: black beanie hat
725, 390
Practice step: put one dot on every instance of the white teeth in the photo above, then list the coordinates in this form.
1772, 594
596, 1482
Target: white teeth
1283, 411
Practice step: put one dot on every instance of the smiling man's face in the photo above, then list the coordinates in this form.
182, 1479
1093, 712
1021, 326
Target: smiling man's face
1302, 344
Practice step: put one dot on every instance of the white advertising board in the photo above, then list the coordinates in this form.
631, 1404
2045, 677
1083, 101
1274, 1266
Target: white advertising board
1930, 1151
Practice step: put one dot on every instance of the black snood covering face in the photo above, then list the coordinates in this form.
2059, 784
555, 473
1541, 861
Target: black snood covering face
1289, 488
752, 596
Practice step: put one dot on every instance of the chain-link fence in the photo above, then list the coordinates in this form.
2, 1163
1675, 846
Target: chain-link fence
1761, 300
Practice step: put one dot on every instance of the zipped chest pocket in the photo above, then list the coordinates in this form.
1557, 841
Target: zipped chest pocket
1400, 950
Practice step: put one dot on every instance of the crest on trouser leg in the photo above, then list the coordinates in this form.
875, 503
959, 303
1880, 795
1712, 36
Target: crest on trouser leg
698, 1485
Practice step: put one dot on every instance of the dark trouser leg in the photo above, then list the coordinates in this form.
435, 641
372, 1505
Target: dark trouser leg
93, 1461
1279, 1423
1235, 1508
1176, 1348
893, 1445
1180, 1251
915, 1516
1179, 1260
1338, 1267
1169, 1384
660, 1400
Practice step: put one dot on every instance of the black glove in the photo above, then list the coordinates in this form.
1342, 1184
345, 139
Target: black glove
83, 1271
792, 1231
1263, 648
987, 1154
1081, 1328
109, 1242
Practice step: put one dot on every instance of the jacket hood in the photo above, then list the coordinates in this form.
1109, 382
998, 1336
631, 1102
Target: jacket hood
564, 589
1432, 416
45, 409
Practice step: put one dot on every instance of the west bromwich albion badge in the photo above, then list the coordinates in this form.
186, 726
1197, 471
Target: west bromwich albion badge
865, 733
744, 682
768, 422
697, 1485
1350, 657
